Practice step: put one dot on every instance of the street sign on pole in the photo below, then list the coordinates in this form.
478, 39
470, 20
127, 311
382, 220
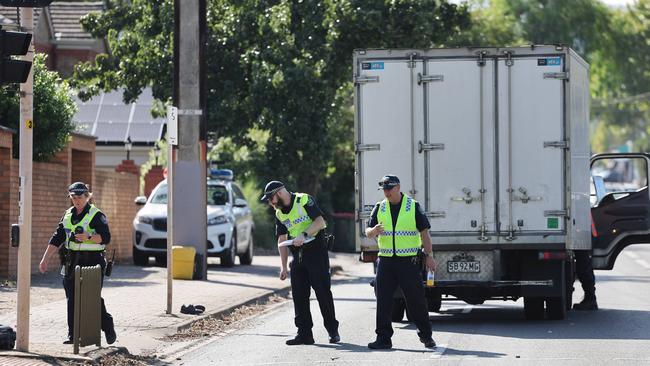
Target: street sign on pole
172, 125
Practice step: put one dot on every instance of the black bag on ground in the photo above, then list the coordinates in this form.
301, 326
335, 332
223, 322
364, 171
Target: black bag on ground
7, 337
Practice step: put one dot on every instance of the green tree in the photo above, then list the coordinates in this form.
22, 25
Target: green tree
54, 109
274, 66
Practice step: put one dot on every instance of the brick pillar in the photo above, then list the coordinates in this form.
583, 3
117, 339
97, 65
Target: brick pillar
128, 166
152, 178
6, 203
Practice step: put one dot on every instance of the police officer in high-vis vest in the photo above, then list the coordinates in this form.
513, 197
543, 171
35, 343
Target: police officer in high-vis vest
401, 229
298, 217
84, 232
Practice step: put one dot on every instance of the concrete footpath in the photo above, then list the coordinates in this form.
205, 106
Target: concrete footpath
137, 299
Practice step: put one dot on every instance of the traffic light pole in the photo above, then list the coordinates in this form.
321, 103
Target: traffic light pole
25, 198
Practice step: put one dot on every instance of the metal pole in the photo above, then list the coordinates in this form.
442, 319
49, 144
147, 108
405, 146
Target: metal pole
25, 196
170, 227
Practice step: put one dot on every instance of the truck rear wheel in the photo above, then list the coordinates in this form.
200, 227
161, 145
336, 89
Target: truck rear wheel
556, 306
534, 308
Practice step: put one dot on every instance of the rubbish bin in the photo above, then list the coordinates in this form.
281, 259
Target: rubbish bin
183, 262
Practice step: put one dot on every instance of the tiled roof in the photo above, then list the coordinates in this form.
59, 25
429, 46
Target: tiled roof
64, 16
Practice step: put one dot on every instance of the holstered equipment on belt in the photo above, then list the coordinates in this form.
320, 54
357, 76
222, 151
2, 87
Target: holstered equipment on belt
329, 241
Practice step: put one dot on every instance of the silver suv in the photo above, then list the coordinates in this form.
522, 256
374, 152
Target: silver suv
230, 224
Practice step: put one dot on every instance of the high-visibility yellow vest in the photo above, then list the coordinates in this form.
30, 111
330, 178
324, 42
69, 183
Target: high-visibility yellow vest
87, 245
297, 220
403, 239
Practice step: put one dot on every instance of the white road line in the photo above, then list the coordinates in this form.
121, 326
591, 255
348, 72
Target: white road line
631, 254
438, 351
643, 263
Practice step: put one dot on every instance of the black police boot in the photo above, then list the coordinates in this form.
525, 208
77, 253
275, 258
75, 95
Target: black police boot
428, 342
300, 339
588, 303
335, 337
381, 344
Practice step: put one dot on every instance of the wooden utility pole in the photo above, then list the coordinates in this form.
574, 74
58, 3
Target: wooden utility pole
26, 130
189, 176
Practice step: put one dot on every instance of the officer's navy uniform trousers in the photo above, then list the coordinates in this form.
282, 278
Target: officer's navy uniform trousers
406, 273
312, 270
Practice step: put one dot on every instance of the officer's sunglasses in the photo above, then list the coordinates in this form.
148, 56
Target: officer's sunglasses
272, 194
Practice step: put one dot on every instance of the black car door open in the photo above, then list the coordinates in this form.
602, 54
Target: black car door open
621, 213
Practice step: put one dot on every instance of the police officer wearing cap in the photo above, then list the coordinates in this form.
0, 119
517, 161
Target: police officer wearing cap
401, 229
84, 232
297, 216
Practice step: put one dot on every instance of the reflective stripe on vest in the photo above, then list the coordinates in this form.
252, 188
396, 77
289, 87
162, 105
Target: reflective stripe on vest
86, 245
297, 220
405, 236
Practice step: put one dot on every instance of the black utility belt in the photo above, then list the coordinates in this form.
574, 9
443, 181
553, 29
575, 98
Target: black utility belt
82, 254
311, 246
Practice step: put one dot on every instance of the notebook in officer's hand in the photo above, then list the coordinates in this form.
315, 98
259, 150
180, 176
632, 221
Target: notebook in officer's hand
286, 243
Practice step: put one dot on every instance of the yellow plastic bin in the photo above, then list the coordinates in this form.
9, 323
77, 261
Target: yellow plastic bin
183, 262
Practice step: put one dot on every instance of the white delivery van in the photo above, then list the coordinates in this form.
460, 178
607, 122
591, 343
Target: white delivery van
494, 144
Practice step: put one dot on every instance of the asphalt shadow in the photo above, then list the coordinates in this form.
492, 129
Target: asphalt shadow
509, 322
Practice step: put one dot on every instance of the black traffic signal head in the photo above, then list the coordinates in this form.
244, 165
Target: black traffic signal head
14, 44
25, 3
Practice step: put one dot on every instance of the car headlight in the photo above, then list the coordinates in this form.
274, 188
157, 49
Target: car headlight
144, 219
217, 220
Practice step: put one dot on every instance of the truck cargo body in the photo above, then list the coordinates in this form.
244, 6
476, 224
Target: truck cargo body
494, 144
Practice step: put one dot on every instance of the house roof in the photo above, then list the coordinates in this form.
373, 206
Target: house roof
111, 121
63, 15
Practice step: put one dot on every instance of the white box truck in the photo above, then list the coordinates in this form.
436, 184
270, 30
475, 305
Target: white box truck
494, 144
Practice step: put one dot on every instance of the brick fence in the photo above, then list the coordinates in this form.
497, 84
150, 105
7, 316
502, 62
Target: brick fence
113, 193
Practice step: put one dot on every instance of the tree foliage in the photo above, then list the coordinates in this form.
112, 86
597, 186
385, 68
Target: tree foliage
283, 67
54, 109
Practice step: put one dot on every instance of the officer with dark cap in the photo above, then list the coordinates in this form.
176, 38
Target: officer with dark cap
297, 216
84, 231
402, 230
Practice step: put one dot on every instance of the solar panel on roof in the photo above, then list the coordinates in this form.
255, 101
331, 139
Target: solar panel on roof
144, 132
112, 132
115, 120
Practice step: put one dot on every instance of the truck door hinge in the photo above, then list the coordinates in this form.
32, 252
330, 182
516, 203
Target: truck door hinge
436, 214
411, 62
557, 75
509, 60
428, 147
363, 79
548, 213
558, 144
481, 58
429, 78
366, 147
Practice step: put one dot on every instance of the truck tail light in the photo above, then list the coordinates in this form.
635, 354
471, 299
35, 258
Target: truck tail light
594, 233
546, 256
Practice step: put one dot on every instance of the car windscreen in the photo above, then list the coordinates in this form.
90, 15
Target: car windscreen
217, 195
161, 195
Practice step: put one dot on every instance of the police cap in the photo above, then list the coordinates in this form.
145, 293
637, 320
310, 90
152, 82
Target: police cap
271, 188
78, 188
